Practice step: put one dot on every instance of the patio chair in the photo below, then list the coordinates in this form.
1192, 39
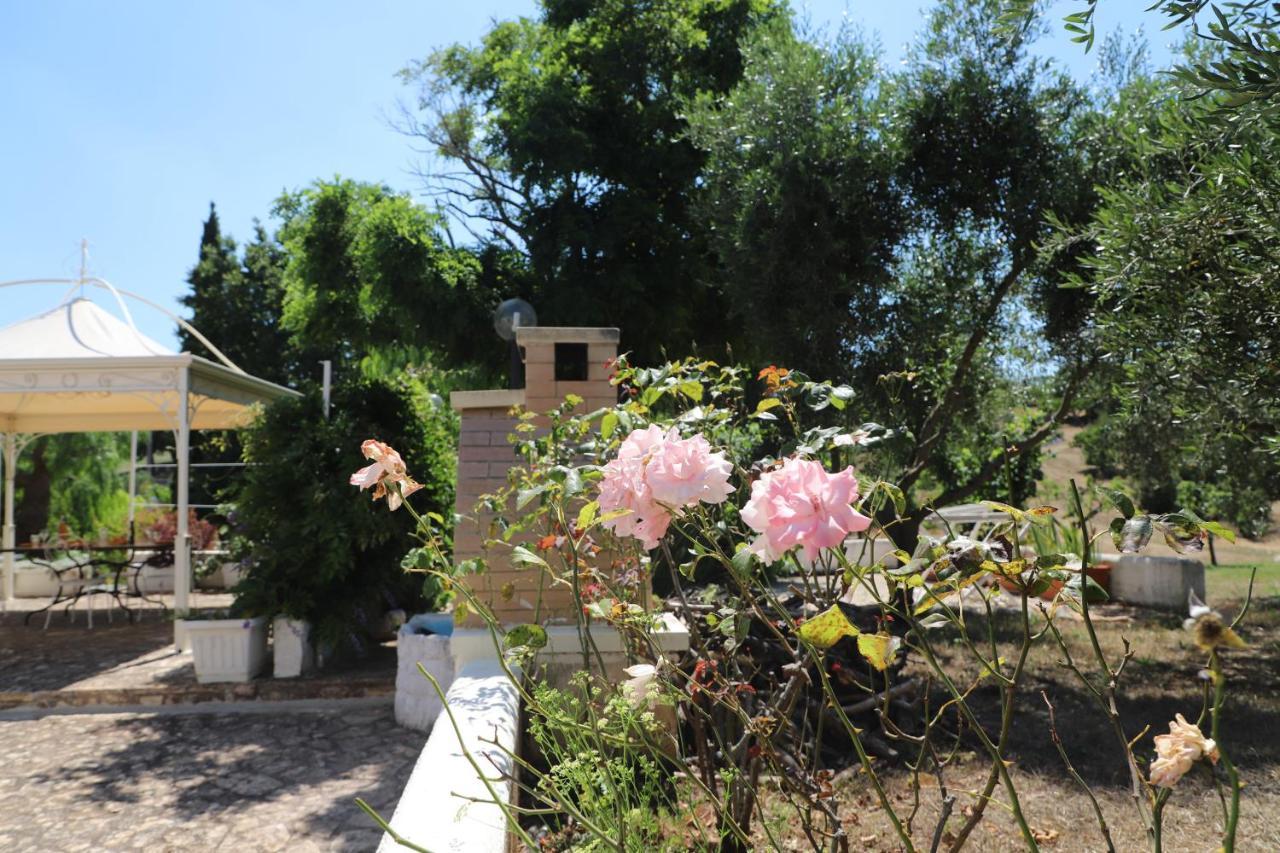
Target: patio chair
75, 582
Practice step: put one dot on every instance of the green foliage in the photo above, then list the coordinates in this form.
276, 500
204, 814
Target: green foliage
796, 162
235, 302
74, 479
885, 228
370, 273
564, 136
1184, 268
624, 789
1249, 508
1239, 69
315, 548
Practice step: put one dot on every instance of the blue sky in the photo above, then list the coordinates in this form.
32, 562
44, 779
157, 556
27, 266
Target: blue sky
122, 121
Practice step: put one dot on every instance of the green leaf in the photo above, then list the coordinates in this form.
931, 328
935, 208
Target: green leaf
767, 403
742, 562
527, 635
523, 496
1121, 502
1218, 530
522, 556
608, 424
587, 515
692, 389
1135, 533
827, 628
895, 495
572, 483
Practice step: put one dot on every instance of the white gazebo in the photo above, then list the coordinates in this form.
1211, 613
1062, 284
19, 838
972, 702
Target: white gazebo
79, 368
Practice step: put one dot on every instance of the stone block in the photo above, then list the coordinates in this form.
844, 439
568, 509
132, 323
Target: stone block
1163, 582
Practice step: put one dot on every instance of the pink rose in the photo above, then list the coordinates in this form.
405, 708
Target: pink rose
800, 504
388, 469
687, 471
656, 475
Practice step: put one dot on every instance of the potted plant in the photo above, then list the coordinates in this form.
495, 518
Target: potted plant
226, 646
424, 640
323, 561
292, 648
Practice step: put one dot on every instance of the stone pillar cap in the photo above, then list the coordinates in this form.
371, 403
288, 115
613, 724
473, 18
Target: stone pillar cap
495, 399
567, 334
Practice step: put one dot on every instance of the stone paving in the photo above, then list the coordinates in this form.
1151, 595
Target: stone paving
198, 782
123, 664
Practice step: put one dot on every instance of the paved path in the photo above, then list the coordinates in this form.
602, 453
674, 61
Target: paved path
198, 782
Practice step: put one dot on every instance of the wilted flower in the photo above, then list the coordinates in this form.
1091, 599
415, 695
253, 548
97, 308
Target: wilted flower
641, 688
657, 474
1177, 751
387, 475
800, 504
1211, 632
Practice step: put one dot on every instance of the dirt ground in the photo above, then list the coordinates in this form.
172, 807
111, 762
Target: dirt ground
1161, 680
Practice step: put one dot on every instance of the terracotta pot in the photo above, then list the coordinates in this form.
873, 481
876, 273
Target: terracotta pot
1101, 575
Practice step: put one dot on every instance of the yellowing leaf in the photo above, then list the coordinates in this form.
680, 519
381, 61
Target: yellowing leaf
878, 648
1233, 640
587, 515
692, 389
987, 670
768, 403
1013, 512
827, 628
1041, 512
1012, 569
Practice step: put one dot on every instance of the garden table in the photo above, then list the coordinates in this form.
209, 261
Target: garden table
88, 569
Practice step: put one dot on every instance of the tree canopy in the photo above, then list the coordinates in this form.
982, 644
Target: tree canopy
978, 244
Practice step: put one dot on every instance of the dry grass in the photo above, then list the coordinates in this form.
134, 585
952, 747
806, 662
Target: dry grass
1161, 680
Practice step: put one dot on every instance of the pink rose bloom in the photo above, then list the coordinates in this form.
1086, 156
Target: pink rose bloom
657, 474
687, 471
1177, 751
800, 504
387, 470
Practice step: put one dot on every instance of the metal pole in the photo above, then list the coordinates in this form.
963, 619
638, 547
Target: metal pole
7, 540
181, 541
133, 480
326, 384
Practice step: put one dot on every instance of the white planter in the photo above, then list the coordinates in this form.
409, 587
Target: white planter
229, 574
33, 581
227, 649
417, 702
291, 641
153, 580
1165, 582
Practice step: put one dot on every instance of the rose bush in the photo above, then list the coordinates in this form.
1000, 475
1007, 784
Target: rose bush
798, 659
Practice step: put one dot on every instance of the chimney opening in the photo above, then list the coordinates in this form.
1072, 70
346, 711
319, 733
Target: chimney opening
571, 362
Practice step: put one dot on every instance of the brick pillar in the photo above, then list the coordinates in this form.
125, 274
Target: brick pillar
485, 455
547, 382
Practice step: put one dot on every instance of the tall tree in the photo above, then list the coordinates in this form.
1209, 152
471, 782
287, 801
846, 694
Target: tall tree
236, 304
564, 137
1184, 264
371, 272
885, 228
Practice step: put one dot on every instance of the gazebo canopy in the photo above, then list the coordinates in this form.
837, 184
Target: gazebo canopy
79, 368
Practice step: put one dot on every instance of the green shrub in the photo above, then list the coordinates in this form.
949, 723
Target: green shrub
314, 547
1248, 508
